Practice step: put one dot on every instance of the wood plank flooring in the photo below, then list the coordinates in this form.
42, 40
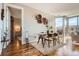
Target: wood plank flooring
30, 51
14, 49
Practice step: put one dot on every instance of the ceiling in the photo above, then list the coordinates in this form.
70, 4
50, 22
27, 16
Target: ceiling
55, 8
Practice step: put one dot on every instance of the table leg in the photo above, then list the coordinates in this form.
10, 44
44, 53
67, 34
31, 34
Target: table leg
42, 42
54, 42
48, 43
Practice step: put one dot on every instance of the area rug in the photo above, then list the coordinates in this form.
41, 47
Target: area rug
45, 50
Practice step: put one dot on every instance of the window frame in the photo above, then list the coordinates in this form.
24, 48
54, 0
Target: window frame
77, 28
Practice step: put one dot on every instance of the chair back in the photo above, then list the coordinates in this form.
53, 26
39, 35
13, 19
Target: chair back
55, 34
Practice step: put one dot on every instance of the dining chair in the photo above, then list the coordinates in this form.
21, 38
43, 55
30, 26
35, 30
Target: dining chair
55, 39
48, 39
41, 38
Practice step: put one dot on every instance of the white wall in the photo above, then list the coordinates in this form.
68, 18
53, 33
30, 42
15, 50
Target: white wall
29, 22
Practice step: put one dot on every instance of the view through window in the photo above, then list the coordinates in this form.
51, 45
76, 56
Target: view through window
59, 24
74, 24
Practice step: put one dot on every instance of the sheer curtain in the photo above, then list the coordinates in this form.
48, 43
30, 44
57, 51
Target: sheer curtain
5, 26
0, 35
8, 23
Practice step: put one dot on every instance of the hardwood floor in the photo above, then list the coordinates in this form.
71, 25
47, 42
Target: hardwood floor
15, 49
65, 51
23, 51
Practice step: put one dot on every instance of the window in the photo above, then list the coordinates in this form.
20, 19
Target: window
59, 21
74, 24
59, 24
73, 21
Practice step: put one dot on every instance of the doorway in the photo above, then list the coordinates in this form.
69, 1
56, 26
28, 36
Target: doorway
12, 27
15, 26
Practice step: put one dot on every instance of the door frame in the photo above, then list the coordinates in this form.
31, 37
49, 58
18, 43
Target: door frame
22, 14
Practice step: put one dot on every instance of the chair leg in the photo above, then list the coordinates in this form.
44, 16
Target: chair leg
38, 40
54, 42
58, 41
42, 42
48, 43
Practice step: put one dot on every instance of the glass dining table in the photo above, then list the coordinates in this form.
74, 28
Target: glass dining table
54, 37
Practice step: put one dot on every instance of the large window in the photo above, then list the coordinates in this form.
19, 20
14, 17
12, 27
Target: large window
74, 24
73, 21
59, 21
59, 24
